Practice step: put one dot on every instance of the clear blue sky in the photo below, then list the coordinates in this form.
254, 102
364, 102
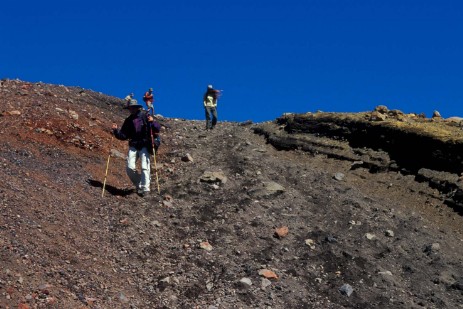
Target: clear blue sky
268, 56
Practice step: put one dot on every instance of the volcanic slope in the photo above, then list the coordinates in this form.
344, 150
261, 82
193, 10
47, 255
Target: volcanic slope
354, 239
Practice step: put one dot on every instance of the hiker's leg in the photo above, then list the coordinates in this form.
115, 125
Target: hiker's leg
132, 168
145, 169
208, 117
214, 116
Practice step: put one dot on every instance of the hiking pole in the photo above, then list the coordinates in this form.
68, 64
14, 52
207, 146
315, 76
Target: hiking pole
107, 167
154, 159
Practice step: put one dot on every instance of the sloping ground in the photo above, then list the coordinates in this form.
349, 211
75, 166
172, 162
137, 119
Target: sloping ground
204, 241
430, 149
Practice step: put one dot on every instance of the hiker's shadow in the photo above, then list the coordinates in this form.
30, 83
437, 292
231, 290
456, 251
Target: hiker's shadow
110, 189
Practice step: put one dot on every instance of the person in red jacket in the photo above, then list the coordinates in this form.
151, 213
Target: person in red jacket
148, 98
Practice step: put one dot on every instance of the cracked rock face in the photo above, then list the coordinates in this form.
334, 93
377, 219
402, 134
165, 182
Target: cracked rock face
268, 227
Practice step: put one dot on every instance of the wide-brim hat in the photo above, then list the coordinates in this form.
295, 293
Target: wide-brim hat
133, 103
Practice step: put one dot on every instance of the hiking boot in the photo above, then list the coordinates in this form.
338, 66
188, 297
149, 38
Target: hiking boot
142, 193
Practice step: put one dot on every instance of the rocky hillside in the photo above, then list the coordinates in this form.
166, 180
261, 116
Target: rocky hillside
314, 211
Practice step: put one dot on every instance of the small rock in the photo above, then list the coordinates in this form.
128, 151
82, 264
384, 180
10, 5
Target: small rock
212, 177
73, 115
382, 109
12, 113
155, 223
187, 158
167, 204
123, 298
432, 248
385, 273
206, 246
339, 176
246, 282
268, 274
356, 164
331, 239
346, 289
310, 243
436, 114
117, 154
377, 116
370, 236
282, 231
389, 233
265, 283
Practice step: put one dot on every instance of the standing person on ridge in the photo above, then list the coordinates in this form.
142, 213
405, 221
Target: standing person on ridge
210, 106
128, 98
137, 128
148, 98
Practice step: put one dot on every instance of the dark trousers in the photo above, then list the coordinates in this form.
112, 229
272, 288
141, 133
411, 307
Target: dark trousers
211, 111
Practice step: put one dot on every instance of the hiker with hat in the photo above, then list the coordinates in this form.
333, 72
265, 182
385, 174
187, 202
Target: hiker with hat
141, 131
128, 98
148, 98
210, 106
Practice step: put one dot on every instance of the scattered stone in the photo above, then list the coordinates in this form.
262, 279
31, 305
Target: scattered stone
266, 273
457, 120
245, 123
432, 248
265, 283
267, 189
187, 158
389, 233
155, 223
346, 289
377, 116
339, 176
168, 204
381, 109
370, 236
331, 239
385, 273
12, 113
281, 231
123, 298
356, 164
117, 154
436, 114
205, 245
310, 243
212, 177
246, 282
73, 115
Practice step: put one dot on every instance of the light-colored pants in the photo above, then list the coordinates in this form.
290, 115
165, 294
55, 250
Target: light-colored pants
141, 181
